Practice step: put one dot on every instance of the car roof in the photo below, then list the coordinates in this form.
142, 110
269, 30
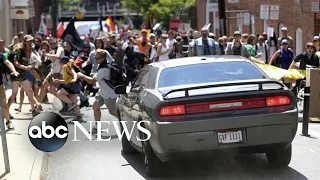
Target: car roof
198, 60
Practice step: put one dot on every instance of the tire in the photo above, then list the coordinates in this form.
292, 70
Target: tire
126, 146
152, 164
280, 158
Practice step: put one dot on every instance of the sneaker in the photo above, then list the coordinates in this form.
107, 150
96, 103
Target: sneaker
9, 125
72, 107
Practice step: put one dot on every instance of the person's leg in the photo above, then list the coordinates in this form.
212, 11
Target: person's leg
5, 109
26, 86
76, 109
36, 89
19, 109
111, 105
63, 95
99, 101
15, 88
43, 91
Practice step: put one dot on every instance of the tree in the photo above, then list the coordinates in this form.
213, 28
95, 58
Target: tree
162, 10
66, 5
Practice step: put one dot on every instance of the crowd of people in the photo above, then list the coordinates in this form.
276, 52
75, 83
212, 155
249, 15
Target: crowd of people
40, 65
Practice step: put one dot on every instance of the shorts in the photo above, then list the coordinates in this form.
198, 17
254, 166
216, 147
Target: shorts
53, 75
110, 103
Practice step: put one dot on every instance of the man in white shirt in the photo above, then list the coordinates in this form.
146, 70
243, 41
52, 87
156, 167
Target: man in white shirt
106, 93
56, 70
262, 49
170, 41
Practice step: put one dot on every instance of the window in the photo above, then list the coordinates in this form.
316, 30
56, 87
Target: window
209, 73
139, 79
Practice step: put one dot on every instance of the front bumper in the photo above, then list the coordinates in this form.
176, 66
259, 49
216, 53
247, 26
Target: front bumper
260, 133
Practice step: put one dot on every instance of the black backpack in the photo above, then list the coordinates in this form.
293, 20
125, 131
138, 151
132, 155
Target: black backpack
117, 75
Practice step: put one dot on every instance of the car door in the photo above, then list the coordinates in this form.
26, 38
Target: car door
137, 95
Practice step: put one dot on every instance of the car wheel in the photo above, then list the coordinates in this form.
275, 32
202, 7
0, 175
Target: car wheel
151, 162
280, 158
126, 146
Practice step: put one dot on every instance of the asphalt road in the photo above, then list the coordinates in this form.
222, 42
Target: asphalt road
89, 160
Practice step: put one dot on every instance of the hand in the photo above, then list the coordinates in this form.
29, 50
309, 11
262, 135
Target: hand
56, 81
28, 68
259, 55
73, 81
15, 73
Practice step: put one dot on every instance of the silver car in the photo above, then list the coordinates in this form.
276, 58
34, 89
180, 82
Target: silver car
198, 105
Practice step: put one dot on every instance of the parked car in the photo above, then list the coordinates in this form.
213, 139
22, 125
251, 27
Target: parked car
208, 104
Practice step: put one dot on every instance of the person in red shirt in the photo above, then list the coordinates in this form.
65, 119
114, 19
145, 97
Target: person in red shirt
143, 41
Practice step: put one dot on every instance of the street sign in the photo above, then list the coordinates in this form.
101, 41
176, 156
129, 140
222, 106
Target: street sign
315, 5
270, 22
274, 12
233, 1
31, 8
246, 19
174, 24
240, 19
264, 12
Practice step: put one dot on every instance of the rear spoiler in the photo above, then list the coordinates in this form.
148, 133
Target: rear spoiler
259, 82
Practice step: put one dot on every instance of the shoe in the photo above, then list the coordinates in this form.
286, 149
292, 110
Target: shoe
35, 113
84, 104
79, 119
72, 107
9, 125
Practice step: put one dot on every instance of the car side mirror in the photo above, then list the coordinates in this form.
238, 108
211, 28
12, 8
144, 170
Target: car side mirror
121, 89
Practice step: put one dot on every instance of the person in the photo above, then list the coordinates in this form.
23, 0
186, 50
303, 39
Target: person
21, 61
70, 86
263, 49
285, 35
106, 94
238, 49
285, 54
5, 109
204, 45
162, 49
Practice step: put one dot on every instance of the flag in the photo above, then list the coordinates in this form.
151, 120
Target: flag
42, 27
71, 36
125, 27
60, 30
109, 25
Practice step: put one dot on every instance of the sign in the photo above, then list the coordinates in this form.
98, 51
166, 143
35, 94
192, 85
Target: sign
315, 5
246, 19
79, 15
31, 8
240, 19
264, 12
174, 24
19, 13
270, 31
318, 15
184, 29
18, 3
274, 12
233, 1
270, 22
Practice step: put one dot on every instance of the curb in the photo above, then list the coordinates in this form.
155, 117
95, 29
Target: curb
40, 167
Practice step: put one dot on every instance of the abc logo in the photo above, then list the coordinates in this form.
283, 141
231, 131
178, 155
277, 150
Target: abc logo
48, 132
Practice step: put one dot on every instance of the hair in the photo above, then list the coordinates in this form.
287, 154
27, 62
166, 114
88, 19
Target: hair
251, 38
45, 43
103, 52
69, 64
220, 40
98, 39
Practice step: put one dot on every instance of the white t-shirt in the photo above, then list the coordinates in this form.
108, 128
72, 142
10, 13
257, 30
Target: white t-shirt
56, 68
105, 90
170, 42
35, 58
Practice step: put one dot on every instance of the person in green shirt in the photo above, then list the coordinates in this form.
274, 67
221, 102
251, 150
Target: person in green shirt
251, 42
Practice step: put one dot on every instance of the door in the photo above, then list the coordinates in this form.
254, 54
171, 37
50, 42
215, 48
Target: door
137, 94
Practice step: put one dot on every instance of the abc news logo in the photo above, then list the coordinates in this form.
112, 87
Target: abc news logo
48, 131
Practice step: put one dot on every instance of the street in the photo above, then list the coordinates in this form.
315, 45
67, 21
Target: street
103, 160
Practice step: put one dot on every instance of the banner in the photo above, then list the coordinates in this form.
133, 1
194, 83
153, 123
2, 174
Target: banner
278, 73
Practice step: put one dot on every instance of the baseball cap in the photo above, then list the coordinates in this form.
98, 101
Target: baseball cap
284, 29
316, 38
284, 41
237, 33
152, 35
64, 59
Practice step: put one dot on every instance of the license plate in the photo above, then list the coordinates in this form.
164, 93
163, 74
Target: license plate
230, 137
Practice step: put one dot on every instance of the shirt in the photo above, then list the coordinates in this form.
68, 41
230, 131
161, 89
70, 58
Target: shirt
93, 61
251, 49
305, 60
105, 90
56, 68
206, 47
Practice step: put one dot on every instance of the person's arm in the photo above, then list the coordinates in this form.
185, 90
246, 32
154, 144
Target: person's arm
90, 80
159, 49
20, 66
11, 67
247, 55
275, 56
294, 62
56, 56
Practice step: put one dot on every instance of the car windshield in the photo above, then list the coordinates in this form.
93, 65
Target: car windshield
209, 73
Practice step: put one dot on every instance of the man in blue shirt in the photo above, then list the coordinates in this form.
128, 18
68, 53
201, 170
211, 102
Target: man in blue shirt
204, 45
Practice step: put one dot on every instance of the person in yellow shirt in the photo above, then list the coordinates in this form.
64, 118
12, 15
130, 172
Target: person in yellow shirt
70, 86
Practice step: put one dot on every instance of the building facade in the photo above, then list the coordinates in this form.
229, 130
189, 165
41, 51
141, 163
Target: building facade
296, 15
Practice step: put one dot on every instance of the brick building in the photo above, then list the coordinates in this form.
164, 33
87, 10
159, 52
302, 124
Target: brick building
296, 15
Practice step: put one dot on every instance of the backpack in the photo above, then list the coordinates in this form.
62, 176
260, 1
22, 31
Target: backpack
117, 75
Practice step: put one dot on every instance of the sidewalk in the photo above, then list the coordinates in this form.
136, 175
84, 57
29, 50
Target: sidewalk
26, 162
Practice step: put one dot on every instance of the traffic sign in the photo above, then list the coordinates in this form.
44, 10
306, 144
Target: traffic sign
246, 19
274, 12
174, 24
315, 5
270, 22
240, 19
31, 8
264, 12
